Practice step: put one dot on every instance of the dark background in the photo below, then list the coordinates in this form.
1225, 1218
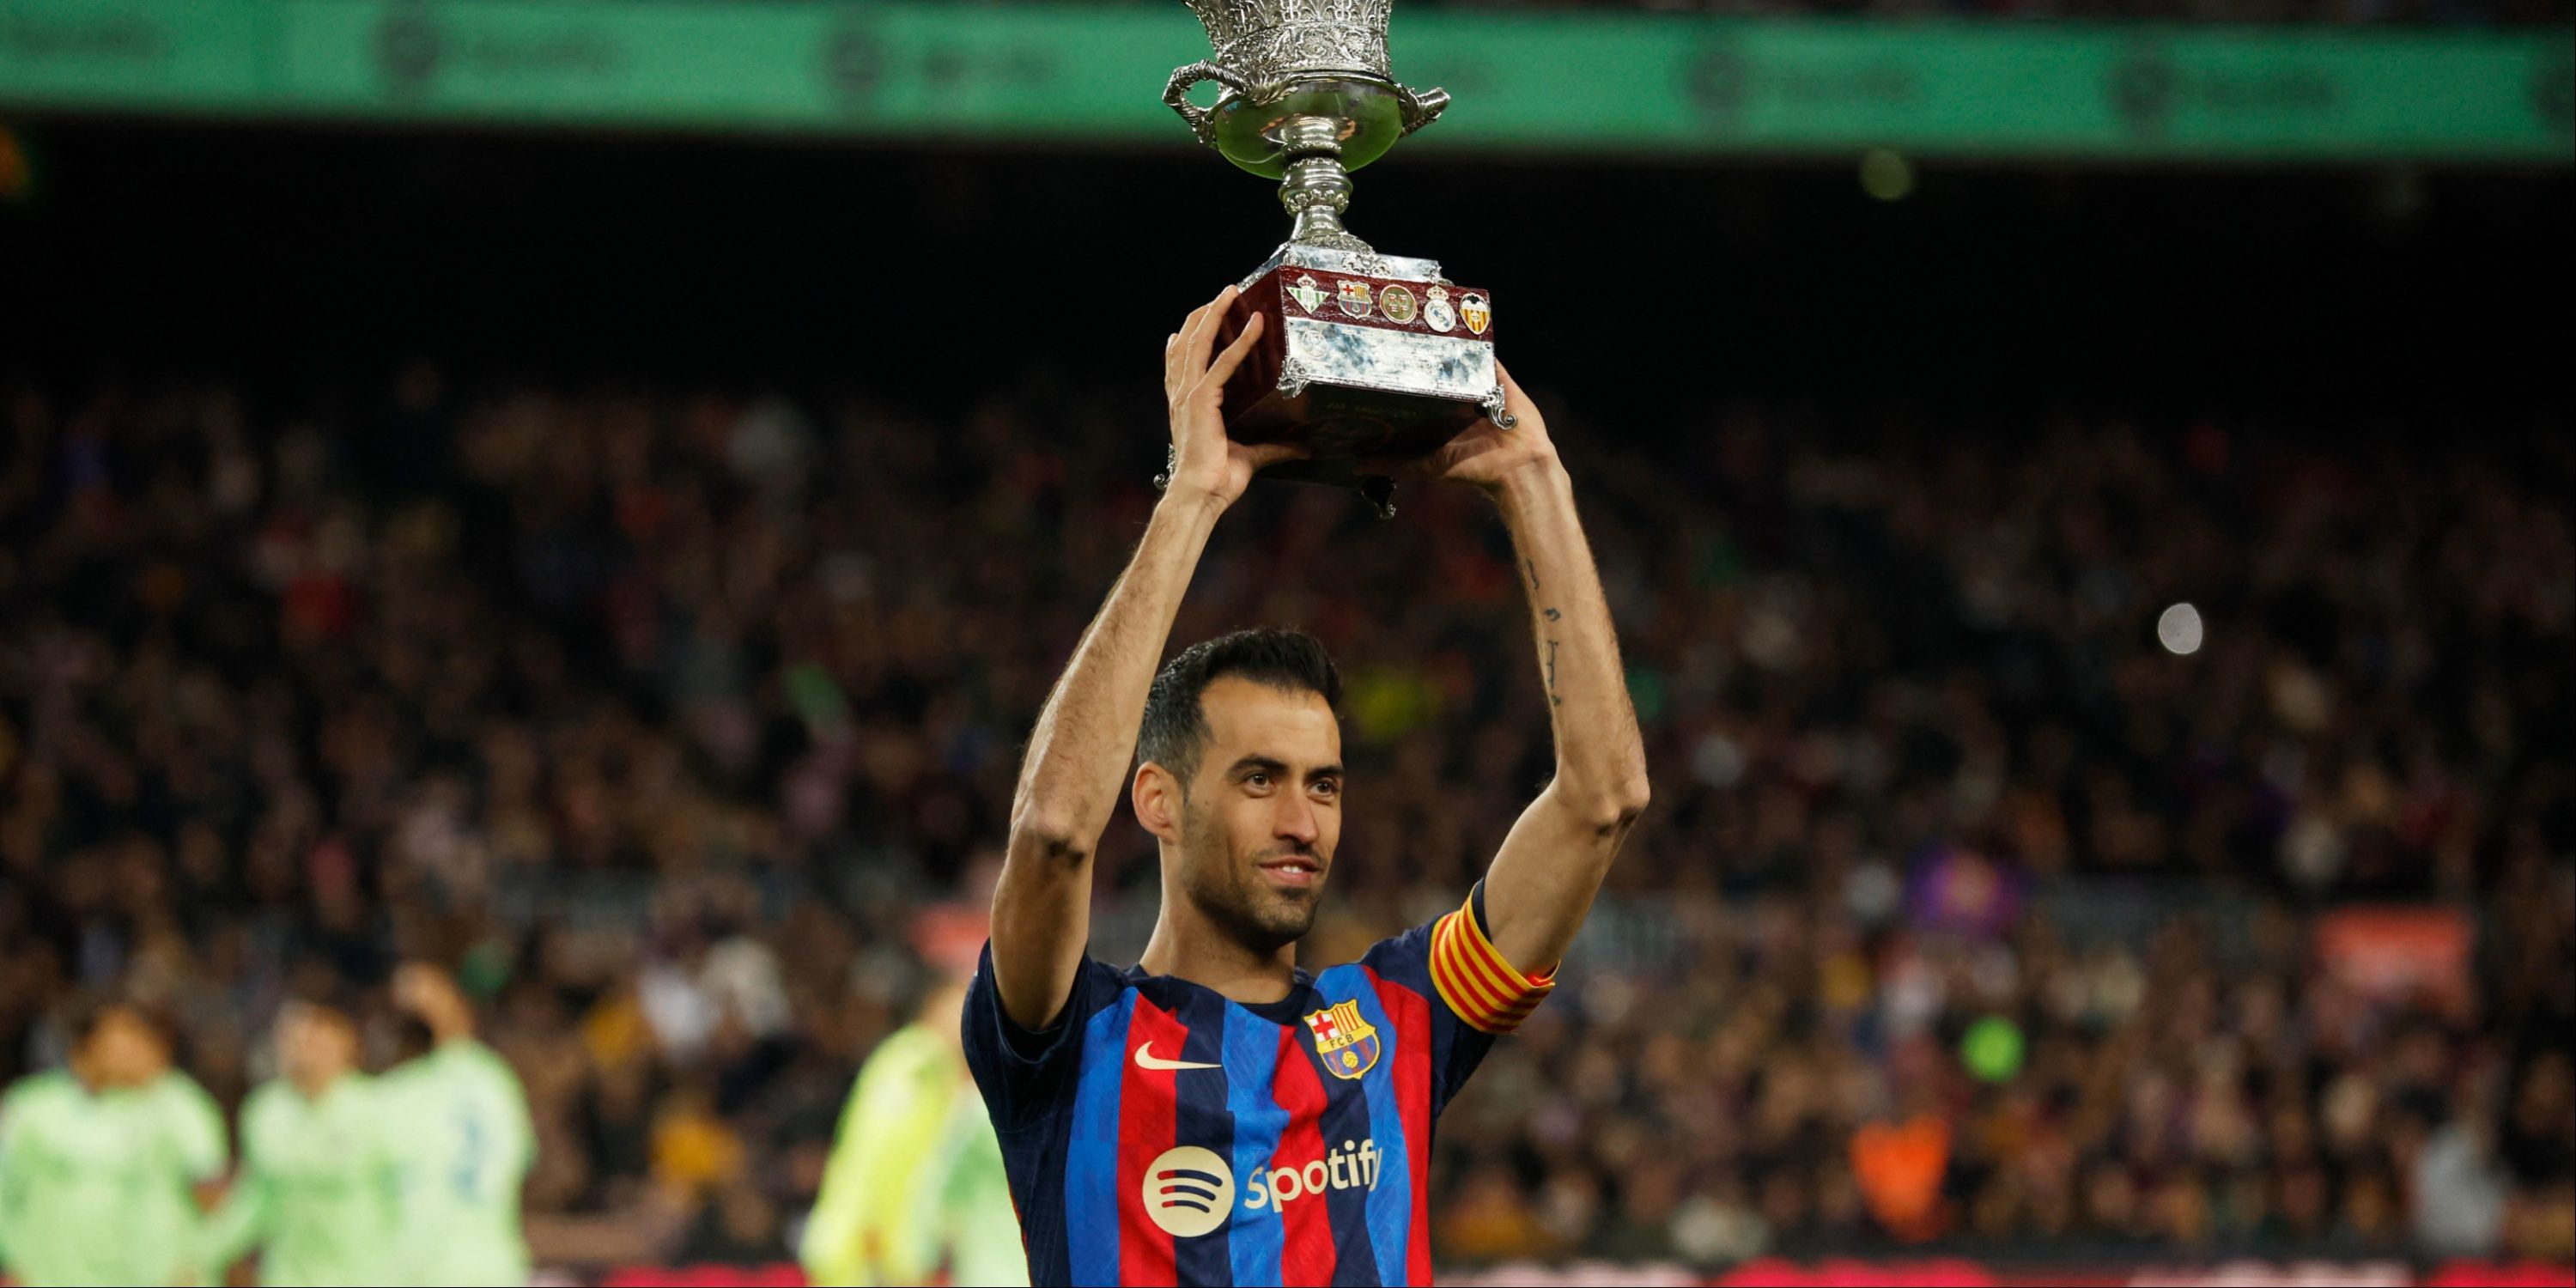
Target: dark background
2352, 296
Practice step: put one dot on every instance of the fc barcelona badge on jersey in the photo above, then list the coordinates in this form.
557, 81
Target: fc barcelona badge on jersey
1347, 1043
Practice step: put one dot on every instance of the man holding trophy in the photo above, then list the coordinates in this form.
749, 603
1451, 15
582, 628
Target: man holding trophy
1216, 1114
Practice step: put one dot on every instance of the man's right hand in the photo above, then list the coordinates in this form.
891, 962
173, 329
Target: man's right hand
1206, 463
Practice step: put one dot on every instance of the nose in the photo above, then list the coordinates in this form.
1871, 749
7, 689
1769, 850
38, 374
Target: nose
1295, 819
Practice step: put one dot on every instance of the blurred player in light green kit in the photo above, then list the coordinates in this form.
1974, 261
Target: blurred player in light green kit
915, 1192
101, 1163
316, 1189
462, 1144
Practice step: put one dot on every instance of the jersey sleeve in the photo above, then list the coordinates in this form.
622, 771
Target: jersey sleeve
856, 1233
1025, 1075
243, 1216
10, 1114
238, 1222
522, 1125
829, 1249
196, 1127
1473, 996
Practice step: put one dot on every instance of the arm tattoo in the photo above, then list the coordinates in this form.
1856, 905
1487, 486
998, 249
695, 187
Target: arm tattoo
1530, 567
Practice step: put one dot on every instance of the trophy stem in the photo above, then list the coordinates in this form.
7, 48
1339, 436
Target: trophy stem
1316, 189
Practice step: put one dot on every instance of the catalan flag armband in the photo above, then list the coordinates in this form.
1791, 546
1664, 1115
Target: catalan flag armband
1474, 979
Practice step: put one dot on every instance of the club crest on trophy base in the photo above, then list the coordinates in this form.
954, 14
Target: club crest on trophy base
1361, 354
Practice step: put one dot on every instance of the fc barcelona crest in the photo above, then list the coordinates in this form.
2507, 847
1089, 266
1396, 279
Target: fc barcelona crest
1353, 296
1347, 1043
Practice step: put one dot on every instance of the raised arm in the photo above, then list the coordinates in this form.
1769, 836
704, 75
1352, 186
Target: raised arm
1077, 758
1543, 879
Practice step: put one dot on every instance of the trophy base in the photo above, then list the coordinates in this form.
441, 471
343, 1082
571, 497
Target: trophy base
1361, 356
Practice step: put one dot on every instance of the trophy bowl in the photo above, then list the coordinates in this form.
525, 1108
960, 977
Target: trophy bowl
1367, 118
1303, 79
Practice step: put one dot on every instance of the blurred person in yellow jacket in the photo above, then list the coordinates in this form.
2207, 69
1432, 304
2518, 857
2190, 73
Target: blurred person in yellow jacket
914, 1192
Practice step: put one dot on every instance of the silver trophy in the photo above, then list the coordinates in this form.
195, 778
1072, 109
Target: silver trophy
1363, 355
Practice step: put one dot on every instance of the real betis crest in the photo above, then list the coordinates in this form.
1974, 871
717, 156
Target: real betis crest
1306, 293
1347, 1043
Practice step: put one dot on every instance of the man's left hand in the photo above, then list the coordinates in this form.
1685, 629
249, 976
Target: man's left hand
1486, 455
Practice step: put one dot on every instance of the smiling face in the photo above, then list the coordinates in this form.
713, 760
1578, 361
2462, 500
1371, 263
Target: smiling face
1255, 825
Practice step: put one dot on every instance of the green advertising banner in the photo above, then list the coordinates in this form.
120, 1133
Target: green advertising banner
1538, 82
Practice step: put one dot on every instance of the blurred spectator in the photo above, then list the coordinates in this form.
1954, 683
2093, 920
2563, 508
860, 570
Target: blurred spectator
675, 707
914, 1191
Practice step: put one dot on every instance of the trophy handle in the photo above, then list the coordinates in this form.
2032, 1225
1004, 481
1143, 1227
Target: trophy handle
1176, 91
1419, 107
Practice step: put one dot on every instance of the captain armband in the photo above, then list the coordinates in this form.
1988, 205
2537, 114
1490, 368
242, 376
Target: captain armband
1474, 979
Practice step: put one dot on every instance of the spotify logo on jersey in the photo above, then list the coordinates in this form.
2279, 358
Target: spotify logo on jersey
1352, 1167
1187, 1191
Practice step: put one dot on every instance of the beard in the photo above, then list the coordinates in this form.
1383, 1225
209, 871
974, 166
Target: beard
1229, 889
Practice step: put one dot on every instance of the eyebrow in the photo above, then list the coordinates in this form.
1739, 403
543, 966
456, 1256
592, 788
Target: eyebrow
1274, 765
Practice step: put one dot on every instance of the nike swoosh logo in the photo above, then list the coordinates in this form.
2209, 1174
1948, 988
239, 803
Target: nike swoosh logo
1146, 1059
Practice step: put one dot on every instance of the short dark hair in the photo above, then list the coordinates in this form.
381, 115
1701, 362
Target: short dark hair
91, 1012
331, 1001
1176, 725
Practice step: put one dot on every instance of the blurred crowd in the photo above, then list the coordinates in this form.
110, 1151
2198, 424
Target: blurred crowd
1989, 896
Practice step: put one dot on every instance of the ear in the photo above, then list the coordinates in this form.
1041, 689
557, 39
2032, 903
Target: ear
1156, 794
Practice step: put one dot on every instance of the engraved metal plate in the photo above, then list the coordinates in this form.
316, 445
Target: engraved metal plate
1365, 357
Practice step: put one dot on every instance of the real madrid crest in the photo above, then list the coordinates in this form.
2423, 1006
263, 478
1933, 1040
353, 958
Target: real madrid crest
1436, 313
1306, 293
1353, 296
1477, 312
1347, 1043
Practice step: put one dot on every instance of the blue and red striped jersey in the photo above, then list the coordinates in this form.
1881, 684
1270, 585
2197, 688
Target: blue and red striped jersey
1159, 1133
